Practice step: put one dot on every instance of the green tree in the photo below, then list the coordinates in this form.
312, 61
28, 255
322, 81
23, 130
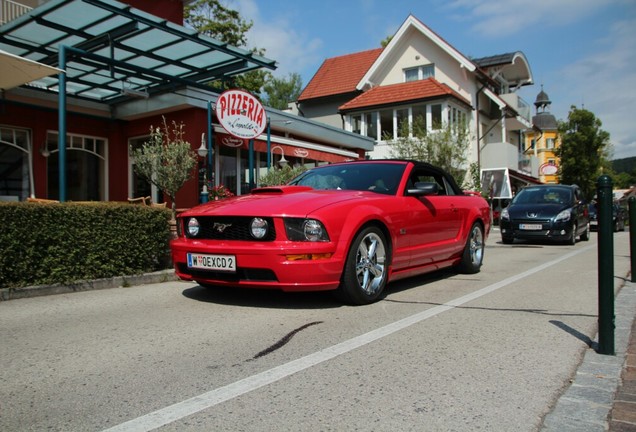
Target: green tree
281, 91
622, 180
167, 160
282, 176
584, 150
445, 147
211, 18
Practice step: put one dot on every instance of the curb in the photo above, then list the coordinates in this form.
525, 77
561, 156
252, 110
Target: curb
89, 285
586, 405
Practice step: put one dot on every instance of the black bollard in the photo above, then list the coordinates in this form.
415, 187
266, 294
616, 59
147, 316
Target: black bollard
632, 236
605, 266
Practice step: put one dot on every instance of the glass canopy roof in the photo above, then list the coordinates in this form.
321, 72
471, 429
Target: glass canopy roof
114, 51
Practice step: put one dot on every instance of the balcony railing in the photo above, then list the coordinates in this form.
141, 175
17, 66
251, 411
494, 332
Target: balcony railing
10, 10
519, 105
507, 155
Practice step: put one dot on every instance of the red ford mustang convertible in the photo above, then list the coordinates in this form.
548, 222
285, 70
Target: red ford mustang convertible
350, 227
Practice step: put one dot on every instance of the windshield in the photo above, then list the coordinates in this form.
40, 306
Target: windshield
377, 177
543, 195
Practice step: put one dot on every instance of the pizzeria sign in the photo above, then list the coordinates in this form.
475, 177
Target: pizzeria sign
241, 114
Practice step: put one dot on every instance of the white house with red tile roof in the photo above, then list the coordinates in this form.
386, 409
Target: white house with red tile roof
418, 73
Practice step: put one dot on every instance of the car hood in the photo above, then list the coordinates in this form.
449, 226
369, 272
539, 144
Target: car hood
535, 211
294, 201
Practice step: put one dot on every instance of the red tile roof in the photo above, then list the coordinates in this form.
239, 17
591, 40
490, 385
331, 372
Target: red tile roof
340, 75
402, 93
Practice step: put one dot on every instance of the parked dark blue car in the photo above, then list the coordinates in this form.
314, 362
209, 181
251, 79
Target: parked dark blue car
546, 212
619, 217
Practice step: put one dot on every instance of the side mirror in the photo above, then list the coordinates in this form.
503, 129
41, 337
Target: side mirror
424, 189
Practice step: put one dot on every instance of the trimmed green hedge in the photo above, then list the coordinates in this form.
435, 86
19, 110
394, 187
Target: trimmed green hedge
69, 242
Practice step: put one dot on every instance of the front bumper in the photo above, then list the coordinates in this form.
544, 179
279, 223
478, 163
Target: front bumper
272, 265
558, 231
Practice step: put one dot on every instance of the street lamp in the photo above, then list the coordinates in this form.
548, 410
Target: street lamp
269, 138
282, 162
203, 152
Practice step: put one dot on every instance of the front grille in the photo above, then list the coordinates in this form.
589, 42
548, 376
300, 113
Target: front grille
242, 274
230, 228
532, 221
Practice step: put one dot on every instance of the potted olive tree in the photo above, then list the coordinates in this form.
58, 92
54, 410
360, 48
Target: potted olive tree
166, 160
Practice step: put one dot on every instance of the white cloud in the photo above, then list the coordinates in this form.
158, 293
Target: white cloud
496, 18
604, 83
291, 50
601, 80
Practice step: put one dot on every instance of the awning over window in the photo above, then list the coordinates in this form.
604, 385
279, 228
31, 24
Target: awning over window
504, 182
291, 148
16, 71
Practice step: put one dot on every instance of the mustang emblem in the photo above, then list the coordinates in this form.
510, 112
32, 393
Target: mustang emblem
220, 227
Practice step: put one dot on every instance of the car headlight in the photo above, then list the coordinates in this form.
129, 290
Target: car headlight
259, 228
564, 216
193, 227
310, 230
504, 214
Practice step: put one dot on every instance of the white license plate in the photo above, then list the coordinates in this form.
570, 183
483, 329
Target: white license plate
212, 262
531, 227
593, 222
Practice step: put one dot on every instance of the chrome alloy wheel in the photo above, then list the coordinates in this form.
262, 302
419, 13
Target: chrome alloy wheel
370, 263
476, 246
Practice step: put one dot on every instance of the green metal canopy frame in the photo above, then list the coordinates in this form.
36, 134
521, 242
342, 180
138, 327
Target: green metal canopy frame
111, 52
116, 47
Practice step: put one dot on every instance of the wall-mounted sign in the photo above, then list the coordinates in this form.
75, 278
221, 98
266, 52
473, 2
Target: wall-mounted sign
302, 153
241, 114
230, 141
548, 169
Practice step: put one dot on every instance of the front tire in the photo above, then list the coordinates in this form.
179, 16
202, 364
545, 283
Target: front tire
366, 270
586, 234
473, 255
572, 239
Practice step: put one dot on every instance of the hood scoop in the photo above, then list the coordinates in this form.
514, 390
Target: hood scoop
280, 190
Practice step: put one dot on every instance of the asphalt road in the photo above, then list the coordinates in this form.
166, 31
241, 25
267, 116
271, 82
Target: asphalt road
442, 352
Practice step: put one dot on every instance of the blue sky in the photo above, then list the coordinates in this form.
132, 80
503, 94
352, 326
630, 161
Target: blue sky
583, 52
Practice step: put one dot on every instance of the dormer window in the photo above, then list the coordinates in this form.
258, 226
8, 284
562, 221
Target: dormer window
419, 72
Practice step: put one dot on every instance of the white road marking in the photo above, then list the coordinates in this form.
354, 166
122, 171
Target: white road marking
214, 397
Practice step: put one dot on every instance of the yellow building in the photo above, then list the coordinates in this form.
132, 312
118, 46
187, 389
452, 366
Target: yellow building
543, 139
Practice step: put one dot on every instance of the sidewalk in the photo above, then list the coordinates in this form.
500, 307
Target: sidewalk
602, 395
623, 414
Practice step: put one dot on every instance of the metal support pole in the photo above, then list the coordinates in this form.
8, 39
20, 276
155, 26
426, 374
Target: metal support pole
61, 139
251, 163
210, 167
269, 144
605, 267
632, 236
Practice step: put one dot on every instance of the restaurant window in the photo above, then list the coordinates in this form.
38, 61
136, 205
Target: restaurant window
15, 170
411, 74
386, 125
419, 72
85, 167
356, 124
402, 122
436, 116
228, 172
419, 119
549, 143
457, 117
371, 125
